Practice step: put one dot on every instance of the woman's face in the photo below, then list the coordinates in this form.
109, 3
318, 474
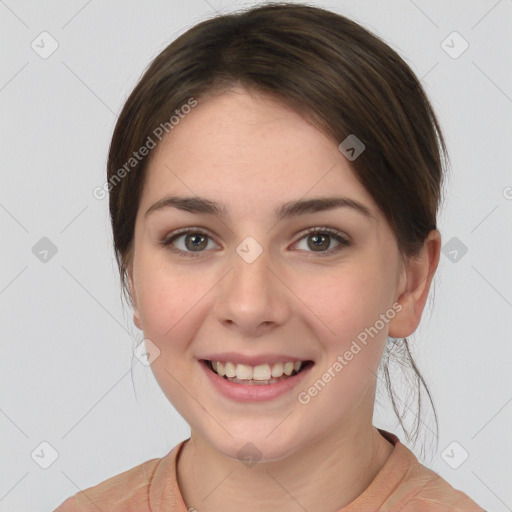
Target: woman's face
254, 287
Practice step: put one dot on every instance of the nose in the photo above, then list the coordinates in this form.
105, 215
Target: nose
252, 298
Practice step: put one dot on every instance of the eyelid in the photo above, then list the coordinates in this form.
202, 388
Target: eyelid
324, 229
342, 239
182, 231
167, 242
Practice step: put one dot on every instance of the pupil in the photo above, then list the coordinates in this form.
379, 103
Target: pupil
318, 238
197, 241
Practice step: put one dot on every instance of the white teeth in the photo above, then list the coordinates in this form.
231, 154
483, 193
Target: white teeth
288, 368
230, 369
262, 372
277, 370
243, 372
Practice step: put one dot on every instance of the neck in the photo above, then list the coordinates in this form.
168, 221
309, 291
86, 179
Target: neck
324, 476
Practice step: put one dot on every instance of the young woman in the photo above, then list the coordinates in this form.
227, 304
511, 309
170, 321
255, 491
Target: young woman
274, 180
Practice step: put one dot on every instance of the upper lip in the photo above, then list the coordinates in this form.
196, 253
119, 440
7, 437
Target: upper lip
251, 360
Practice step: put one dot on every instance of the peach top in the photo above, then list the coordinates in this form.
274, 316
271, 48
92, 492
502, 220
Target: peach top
402, 485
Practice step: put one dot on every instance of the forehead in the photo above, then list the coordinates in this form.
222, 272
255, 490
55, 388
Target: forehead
251, 150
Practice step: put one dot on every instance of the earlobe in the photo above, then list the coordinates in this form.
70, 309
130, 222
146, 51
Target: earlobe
133, 296
415, 285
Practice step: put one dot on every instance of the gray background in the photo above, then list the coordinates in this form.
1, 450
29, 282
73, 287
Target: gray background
67, 373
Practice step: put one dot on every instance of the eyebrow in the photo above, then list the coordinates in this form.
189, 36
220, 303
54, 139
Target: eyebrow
202, 205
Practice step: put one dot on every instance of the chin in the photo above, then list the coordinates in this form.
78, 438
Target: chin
251, 448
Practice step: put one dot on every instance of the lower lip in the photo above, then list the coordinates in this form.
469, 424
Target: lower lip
253, 393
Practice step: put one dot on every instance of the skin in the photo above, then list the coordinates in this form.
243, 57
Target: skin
251, 154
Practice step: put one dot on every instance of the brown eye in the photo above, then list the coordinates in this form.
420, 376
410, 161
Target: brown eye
319, 241
187, 241
195, 241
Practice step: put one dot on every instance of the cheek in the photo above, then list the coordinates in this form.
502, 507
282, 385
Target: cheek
349, 307
169, 304
347, 301
166, 294
351, 330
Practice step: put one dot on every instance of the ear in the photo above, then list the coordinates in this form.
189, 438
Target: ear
133, 296
414, 286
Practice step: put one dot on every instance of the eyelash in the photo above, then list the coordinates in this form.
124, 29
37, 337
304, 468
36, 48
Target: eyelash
343, 242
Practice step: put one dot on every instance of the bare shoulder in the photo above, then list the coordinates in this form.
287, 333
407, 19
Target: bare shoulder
123, 492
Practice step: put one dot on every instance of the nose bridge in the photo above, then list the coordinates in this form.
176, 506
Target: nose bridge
252, 295
251, 268
251, 275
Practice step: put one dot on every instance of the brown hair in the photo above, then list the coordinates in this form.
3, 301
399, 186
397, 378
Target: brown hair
337, 74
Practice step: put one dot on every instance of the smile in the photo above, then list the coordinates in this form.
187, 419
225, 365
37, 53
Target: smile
262, 374
255, 383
